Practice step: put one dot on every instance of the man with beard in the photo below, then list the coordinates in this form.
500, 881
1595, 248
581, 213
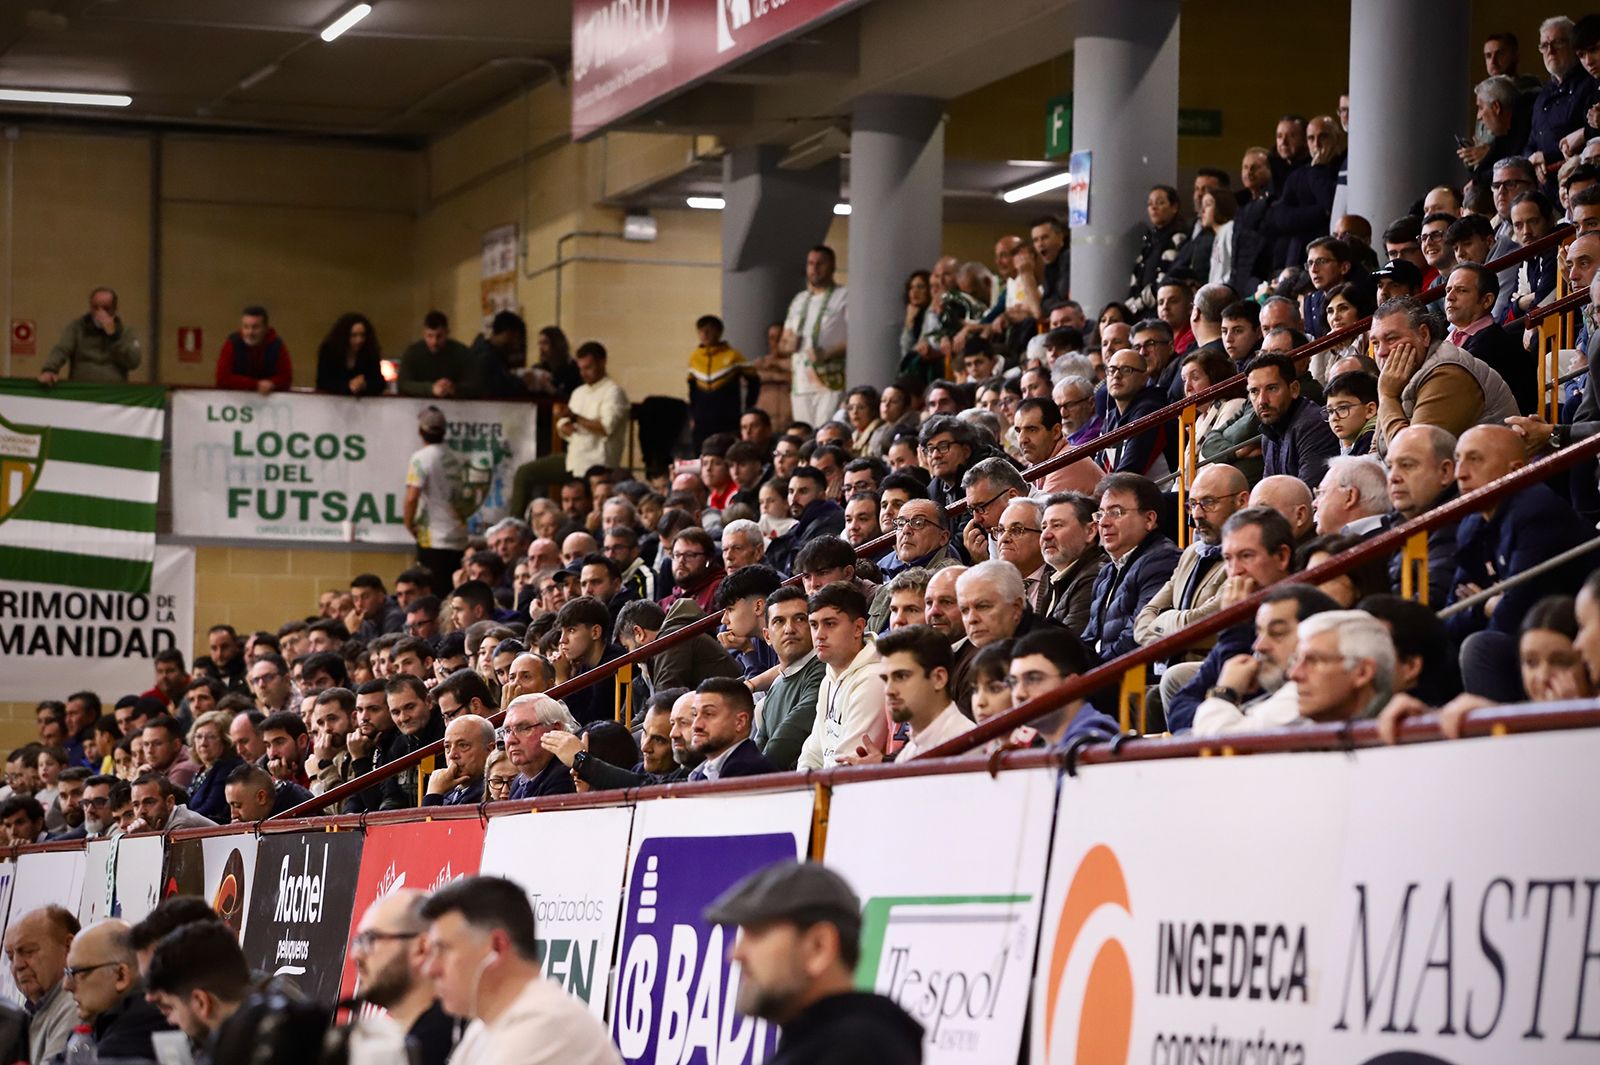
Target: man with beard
658, 763
371, 743
103, 795
799, 941
1295, 438
390, 948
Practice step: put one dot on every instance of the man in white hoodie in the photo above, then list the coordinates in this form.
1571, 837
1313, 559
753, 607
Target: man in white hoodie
850, 708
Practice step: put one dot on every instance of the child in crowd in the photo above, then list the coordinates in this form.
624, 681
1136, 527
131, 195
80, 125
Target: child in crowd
1351, 400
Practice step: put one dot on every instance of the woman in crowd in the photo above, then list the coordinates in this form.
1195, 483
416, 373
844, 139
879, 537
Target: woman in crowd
208, 740
499, 776
1227, 420
861, 411
1348, 303
919, 333
560, 375
350, 359
1352, 586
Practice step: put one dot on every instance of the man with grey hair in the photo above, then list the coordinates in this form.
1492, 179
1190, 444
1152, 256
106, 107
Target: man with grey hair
989, 485
468, 741
1281, 312
1428, 381
992, 599
509, 538
1353, 496
742, 544
1343, 666
1502, 119
1017, 539
527, 720
1560, 109
1152, 339
1074, 394
985, 421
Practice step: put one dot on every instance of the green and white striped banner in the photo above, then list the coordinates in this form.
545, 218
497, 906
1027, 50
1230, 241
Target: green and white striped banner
80, 467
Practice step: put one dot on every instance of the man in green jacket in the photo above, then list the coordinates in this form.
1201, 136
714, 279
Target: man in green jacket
99, 347
440, 366
788, 713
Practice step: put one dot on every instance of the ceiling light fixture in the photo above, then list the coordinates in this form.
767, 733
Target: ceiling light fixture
841, 209
1035, 188
706, 203
338, 26
77, 99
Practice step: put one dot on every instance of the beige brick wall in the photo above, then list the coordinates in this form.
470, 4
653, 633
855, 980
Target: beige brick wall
254, 588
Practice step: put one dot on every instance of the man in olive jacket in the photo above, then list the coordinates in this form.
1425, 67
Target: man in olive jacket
683, 665
100, 348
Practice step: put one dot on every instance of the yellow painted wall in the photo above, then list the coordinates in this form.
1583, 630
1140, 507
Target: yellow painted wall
253, 588
308, 230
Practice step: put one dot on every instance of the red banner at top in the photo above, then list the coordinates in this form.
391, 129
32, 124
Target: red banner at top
629, 54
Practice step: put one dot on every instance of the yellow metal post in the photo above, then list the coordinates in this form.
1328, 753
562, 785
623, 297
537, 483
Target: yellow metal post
624, 697
819, 821
1548, 354
1188, 459
1414, 568
1131, 695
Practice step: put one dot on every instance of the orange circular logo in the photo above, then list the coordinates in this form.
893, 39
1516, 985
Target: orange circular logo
1105, 1018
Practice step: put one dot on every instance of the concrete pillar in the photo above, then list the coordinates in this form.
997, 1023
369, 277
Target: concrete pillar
1408, 93
770, 218
1125, 111
896, 223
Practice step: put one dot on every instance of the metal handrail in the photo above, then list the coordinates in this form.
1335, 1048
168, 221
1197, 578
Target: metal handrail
872, 549
1513, 719
1565, 303
1081, 686
1254, 441
1524, 577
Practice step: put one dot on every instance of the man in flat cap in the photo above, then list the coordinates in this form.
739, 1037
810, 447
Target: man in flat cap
799, 941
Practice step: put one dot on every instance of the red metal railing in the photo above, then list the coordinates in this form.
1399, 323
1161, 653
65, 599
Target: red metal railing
875, 548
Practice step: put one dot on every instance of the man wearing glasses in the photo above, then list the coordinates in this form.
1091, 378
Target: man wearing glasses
269, 680
1142, 559
1561, 106
1132, 398
102, 974
389, 950
921, 538
1194, 590
989, 485
1017, 537
1328, 263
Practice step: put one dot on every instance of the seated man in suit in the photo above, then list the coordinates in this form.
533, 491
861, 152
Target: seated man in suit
459, 782
724, 715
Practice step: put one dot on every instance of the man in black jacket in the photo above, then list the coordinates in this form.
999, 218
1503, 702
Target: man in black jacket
1469, 297
724, 718
103, 976
1422, 477
815, 514
420, 725
799, 941
1295, 438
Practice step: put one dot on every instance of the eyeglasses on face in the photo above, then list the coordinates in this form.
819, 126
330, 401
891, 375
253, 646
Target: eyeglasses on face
1205, 505
372, 937
1339, 410
938, 450
1114, 513
1124, 371
914, 524
1015, 532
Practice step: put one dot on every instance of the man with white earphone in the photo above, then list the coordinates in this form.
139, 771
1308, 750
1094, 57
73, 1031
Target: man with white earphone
483, 961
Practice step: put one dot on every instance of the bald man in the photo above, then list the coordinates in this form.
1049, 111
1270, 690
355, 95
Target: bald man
1195, 586
389, 949
1291, 497
103, 977
468, 739
36, 949
1503, 539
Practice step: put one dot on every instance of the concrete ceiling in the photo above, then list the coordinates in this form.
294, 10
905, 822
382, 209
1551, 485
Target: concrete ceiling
409, 71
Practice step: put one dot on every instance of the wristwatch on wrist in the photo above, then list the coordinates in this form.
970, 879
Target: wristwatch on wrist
579, 760
1218, 691
1560, 435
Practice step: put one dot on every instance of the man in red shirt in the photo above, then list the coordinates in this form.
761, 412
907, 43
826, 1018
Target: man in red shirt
255, 357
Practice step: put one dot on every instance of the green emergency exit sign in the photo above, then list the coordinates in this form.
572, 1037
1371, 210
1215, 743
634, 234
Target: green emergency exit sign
1192, 122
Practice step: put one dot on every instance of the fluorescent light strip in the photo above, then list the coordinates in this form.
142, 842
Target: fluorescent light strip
337, 27
78, 99
841, 209
706, 203
1035, 188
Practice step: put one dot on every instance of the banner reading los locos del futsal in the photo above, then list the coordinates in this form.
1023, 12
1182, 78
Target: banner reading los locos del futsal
327, 468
